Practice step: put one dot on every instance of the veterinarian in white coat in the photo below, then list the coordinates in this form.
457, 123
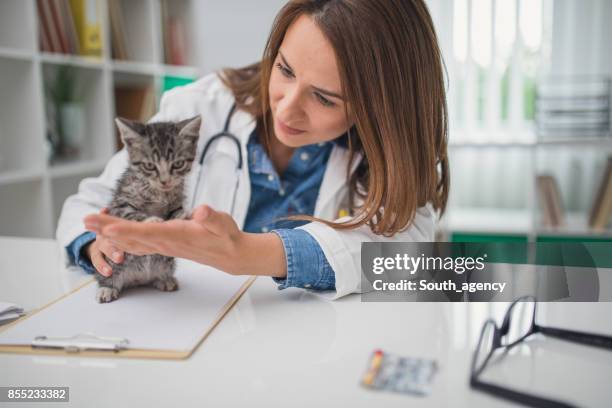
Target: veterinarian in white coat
313, 58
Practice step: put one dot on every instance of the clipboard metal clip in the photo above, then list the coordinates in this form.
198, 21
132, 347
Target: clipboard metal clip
81, 342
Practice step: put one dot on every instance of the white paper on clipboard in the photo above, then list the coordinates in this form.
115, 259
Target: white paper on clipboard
149, 318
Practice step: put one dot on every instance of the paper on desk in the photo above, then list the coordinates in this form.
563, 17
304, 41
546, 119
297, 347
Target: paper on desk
147, 317
9, 312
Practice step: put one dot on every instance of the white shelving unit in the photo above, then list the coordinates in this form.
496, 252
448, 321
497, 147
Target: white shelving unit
32, 191
526, 222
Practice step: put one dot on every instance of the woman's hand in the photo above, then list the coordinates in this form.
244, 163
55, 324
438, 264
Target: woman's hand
99, 246
209, 237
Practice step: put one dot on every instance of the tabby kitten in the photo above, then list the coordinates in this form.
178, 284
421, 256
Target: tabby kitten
150, 190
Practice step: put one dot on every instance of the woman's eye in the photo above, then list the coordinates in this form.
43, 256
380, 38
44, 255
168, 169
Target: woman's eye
178, 164
324, 101
284, 70
287, 73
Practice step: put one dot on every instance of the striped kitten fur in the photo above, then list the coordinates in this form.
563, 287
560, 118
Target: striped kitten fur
150, 190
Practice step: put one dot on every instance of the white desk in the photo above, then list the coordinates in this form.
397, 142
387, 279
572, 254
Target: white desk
290, 348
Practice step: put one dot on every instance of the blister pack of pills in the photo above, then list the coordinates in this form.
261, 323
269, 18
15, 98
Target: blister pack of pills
407, 375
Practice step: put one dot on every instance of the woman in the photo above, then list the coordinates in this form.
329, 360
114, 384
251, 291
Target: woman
343, 127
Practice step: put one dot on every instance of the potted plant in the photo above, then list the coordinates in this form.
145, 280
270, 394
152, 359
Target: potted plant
66, 115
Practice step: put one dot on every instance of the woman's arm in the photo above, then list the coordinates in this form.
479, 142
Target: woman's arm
213, 238
291, 256
209, 237
342, 248
259, 254
307, 266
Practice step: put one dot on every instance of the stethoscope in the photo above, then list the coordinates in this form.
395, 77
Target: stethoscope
224, 133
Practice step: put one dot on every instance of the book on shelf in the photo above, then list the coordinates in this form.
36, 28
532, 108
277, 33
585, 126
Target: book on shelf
86, 14
50, 28
176, 41
56, 14
601, 209
553, 213
134, 103
44, 37
69, 26
119, 44
174, 37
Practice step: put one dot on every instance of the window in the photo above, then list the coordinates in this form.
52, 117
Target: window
494, 50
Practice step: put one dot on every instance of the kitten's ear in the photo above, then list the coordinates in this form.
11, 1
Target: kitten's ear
190, 127
129, 130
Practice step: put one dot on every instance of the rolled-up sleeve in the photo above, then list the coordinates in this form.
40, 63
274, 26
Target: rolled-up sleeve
74, 251
307, 266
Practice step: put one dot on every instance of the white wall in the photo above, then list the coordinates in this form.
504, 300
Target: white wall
232, 33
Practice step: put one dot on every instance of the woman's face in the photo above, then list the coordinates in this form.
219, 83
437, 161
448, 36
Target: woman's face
305, 95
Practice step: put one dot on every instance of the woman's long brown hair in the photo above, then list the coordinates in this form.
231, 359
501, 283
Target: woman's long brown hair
391, 73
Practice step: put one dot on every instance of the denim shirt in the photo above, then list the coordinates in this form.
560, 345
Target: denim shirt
273, 197
295, 192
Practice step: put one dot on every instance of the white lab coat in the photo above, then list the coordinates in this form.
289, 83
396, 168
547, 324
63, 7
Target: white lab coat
210, 98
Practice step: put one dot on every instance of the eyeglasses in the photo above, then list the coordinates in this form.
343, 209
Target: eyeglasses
519, 323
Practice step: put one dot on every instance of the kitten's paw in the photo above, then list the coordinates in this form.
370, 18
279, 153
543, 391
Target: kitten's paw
167, 285
153, 219
106, 294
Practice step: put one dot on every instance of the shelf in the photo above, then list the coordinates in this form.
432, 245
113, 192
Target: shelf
180, 71
576, 224
135, 67
79, 167
146, 68
32, 190
20, 176
16, 53
72, 60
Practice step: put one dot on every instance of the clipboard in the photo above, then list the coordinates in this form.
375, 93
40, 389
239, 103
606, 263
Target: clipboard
91, 344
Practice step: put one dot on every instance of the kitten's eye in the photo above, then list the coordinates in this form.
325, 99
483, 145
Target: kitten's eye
178, 164
148, 166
